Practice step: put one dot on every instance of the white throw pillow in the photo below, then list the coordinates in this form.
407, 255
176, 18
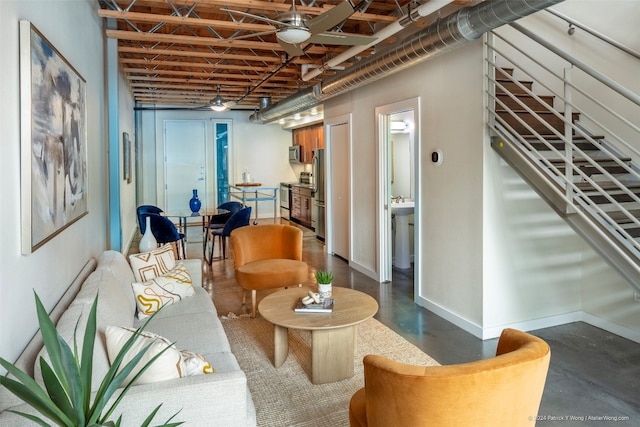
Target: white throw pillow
167, 289
148, 265
166, 367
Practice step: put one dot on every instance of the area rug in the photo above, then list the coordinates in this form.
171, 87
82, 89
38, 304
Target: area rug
285, 396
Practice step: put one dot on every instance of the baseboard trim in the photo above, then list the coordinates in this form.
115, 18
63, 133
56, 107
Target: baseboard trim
612, 327
530, 325
533, 324
364, 270
467, 325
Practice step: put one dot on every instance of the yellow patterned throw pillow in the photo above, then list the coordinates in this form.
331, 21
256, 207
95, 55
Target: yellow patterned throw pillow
169, 288
148, 265
170, 365
195, 364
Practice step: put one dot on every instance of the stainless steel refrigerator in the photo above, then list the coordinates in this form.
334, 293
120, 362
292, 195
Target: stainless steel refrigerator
318, 218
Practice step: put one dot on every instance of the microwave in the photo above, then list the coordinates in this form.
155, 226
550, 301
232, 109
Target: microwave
295, 154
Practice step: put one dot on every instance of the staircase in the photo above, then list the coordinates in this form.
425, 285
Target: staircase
586, 177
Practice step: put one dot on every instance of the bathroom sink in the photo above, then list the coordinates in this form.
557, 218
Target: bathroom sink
402, 208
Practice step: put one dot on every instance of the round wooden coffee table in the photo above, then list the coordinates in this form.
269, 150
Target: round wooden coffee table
333, 335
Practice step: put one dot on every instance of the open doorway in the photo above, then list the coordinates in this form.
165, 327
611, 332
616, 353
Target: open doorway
398, 187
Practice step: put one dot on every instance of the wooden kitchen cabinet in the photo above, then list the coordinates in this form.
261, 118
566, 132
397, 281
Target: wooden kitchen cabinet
309, 138
301, 205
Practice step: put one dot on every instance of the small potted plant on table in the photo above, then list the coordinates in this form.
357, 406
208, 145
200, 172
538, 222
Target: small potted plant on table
324, 279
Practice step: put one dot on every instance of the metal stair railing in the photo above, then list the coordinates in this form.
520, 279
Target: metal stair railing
580, 95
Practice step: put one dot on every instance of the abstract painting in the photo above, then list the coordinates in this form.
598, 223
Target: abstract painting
53, 140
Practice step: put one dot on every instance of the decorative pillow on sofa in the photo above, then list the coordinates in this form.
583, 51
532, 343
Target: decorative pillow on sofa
171, 364
167, 289
195, 364
166, 367
148, 265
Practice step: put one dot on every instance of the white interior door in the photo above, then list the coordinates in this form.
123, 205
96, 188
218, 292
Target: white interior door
185, 162
339, 191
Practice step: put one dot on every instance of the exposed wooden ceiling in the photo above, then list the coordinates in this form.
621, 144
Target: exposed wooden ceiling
185, 52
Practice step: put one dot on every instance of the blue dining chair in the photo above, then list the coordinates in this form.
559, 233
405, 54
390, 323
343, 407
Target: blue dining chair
218, 221
165, 231
141, 211
238, 219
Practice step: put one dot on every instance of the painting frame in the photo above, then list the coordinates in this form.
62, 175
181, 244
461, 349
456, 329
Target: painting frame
53, 141
126, 158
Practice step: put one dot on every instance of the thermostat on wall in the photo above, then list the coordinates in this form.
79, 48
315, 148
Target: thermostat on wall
436, 157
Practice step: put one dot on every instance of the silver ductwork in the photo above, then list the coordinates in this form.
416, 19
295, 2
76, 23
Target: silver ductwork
455, 31
265, 101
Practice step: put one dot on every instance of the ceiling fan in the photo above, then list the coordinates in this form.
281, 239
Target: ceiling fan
292, 28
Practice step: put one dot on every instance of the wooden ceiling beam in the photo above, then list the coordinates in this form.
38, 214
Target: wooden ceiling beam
225, 76
205, 65
179, 20
212, 86
254, 5
211, 55
204, 41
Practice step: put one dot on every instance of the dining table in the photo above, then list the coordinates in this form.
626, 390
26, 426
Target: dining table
184, 215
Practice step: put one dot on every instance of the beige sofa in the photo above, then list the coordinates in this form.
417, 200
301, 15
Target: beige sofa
221, 398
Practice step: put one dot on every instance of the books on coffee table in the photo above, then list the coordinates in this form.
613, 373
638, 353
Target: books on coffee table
325, 306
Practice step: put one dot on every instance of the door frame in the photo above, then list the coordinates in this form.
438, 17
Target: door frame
383, 114
328, 123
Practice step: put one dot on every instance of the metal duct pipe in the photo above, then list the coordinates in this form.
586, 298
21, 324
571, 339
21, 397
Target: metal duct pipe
443, 36
295, 103
265, 101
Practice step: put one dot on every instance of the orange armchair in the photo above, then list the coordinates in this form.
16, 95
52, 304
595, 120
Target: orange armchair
504, 390
266, 257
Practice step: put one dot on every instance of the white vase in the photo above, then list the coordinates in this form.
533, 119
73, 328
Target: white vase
148, 241
324, 289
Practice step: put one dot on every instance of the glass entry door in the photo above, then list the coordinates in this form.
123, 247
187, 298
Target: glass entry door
221, 134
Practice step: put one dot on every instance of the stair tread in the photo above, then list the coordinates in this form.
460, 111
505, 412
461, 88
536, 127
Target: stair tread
576, 139
607, 185
621, 217
633, 232
584, 160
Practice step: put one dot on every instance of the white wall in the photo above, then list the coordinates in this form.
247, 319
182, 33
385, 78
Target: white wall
74, 28
451, 194
261, 149
494, 253
128, 218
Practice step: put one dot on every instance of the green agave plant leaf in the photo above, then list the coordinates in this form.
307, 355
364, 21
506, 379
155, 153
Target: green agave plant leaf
324, 277
33, 418
31, 393
86, 365
126, 370
68, 378
54, 388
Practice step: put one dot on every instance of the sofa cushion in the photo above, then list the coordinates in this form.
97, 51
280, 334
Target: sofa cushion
205, 332
200, 302
163, 290
171, 364
148, 265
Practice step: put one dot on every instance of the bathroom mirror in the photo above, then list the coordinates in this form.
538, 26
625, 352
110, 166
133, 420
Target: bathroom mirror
402, 156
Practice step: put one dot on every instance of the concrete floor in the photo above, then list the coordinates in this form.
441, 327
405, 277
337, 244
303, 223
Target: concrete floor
593, 373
